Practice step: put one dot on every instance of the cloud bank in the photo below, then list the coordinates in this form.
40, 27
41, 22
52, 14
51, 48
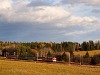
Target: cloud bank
89, 2
41, 20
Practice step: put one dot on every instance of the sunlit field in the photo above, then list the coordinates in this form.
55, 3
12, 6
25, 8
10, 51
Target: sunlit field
91, 53
31, 68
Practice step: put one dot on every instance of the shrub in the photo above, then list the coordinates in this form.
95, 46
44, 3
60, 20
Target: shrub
95, 59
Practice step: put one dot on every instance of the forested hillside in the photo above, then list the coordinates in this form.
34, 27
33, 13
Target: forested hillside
44, 48
31, 50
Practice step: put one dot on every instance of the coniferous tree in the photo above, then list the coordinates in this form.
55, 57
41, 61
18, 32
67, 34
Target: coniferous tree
49, 54
87, 55
91, 45
64, 57
84, 46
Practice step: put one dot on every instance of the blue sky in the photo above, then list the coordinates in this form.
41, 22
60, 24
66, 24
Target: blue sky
49, 20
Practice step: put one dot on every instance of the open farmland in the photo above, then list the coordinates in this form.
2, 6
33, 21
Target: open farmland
31, 68
91, 53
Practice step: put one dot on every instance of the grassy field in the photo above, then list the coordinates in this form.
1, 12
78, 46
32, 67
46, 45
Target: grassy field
31, 68
91, 53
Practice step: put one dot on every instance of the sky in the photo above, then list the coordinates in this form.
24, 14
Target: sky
49, 20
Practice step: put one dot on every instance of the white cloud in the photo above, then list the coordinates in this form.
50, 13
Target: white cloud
61, 17
79, 33
58, 17
5, 4
22, 13
90, 2
86, 22
50, 14
82, 25
38, 3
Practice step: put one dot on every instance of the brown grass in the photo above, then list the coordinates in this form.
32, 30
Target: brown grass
91, 53
32, 68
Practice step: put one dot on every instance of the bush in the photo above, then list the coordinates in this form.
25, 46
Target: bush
86, 61
95, 59
59, 57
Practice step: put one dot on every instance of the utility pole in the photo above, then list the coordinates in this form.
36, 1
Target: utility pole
69, 58
37, 57
14, 53
80, 59
26, 53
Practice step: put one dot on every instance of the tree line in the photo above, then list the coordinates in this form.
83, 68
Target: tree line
56, 47
45, 48
50, 49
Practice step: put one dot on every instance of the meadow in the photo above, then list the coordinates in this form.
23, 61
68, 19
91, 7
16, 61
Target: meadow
91, 53
9, 67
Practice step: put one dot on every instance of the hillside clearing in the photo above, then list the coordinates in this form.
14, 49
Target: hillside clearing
91, 53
